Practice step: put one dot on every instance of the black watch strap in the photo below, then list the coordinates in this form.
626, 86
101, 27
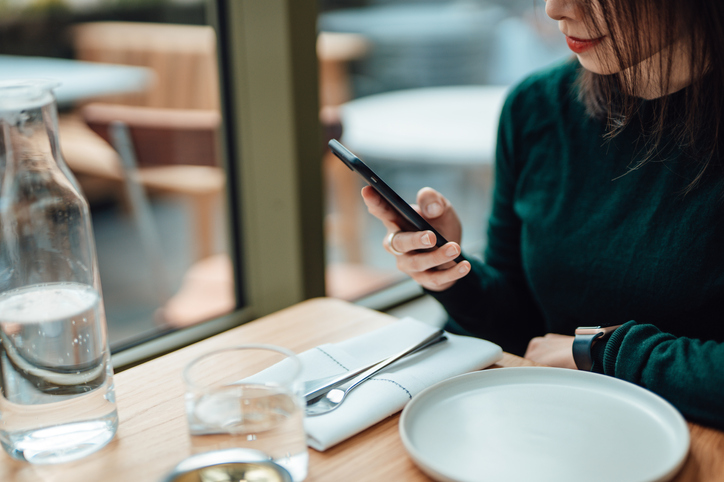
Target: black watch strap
582, 345
583, 342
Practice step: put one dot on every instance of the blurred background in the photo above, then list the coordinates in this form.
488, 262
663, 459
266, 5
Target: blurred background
412, 87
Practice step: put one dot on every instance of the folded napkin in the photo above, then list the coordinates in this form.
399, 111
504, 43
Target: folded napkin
389, 391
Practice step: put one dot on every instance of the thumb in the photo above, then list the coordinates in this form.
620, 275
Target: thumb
432, 204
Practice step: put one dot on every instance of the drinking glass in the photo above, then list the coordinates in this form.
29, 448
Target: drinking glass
249, 397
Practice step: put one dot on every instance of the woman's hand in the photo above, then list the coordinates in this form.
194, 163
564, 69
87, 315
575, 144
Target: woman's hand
432, 268
552, 350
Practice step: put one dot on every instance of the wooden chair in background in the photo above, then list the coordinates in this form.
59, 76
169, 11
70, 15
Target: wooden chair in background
176, 153
172, 129
173, 151
183, 57
173, 124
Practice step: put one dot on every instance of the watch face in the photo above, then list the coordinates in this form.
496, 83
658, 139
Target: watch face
588, 330
592, 330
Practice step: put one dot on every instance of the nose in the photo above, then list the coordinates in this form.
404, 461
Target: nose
560, 9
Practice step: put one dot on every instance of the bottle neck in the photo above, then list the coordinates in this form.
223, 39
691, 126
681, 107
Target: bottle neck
30, 144
32, 135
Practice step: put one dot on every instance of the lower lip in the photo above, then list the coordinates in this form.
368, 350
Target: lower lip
579, 46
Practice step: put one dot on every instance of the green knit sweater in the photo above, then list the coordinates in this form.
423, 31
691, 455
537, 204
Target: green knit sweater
577, 238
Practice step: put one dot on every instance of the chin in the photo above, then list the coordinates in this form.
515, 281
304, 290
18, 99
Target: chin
594, 65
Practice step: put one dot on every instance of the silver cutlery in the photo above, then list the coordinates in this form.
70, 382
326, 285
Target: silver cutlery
314, 389
328, 399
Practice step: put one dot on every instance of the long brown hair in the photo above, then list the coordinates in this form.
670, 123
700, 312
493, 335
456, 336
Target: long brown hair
696, 126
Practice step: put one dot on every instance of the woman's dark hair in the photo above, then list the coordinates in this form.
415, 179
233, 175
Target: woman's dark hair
639, 26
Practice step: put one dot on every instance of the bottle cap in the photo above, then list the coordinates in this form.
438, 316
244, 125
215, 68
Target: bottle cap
229, 465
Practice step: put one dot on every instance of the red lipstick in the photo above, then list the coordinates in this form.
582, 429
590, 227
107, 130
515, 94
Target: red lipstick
581, 45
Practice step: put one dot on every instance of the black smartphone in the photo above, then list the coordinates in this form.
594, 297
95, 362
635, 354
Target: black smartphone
412, 217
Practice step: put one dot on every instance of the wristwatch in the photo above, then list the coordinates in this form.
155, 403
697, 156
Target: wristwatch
586, 336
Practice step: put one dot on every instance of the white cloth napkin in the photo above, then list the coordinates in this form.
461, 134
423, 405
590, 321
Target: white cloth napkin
389, 391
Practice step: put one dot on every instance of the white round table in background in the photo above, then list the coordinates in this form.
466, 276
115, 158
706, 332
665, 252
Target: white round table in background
436, 125
79, 81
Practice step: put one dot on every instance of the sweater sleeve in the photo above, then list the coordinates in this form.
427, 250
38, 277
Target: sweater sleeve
687, 372
493, 301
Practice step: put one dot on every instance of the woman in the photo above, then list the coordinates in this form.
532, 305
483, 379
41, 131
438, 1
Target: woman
608, 206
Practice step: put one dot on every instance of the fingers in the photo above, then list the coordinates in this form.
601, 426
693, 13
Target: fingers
417, 262
433, 269
442, 278
432, 204
403, 242
440, 212
381, 209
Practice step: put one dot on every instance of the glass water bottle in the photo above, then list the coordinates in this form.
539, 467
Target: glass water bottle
57, 399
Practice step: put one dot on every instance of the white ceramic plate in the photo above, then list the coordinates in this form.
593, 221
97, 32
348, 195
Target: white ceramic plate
543, 424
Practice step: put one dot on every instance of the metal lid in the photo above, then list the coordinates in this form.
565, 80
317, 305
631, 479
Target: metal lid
230, 465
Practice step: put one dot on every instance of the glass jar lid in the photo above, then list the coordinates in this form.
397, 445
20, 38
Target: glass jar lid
229, 465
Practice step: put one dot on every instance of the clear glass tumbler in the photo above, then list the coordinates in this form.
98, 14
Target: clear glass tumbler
249, 397
56, 386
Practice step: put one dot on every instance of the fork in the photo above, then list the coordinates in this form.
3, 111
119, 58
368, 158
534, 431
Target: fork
313, 389
334, 397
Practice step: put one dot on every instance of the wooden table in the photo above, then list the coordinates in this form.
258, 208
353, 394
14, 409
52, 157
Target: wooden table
152, 437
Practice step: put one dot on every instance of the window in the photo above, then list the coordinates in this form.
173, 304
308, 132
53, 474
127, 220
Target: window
237, 239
